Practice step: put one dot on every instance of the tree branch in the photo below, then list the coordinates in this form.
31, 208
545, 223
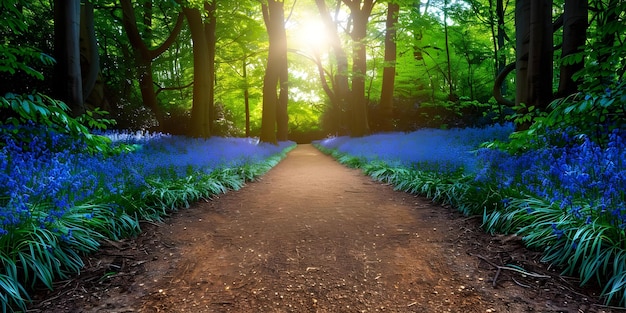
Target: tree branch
171, 88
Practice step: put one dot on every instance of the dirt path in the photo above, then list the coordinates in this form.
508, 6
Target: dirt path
314, 236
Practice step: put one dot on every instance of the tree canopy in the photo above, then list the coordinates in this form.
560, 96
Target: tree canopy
204, 68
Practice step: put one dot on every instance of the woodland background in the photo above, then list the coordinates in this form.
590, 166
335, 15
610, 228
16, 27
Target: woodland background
344, 67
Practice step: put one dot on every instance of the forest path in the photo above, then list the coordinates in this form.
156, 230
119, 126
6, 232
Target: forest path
314, 236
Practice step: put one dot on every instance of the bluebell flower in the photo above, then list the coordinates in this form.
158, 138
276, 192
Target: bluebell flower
556, 231
506, 201
67, 237
576, 211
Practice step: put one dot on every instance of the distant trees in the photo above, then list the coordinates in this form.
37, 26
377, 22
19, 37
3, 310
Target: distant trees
535, 47
344, 96
210, 67
144, 53
336, 86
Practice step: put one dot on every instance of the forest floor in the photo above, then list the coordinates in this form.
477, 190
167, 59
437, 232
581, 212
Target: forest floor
314, 236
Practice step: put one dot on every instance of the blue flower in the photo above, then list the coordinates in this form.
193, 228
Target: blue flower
556, 231
42, 180
67, 237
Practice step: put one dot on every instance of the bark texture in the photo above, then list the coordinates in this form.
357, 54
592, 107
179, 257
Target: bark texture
389, 71
359, 13
534, 51
200, 114
67, 54
274, 119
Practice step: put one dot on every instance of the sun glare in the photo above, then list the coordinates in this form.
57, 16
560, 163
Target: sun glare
310, 34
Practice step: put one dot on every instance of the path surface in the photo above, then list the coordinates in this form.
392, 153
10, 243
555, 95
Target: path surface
313, 236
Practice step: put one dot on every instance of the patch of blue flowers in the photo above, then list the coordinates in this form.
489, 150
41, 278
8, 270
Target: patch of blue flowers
564, 194
59, 197
428, 149
43, 178
584, 178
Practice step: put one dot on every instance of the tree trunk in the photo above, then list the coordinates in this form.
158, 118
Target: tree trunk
211, 40
501, 36
494, 37
147, 22
274, 117
574, 37
417, 33
449, 66
540, 58
90, 60
67, 54
143, 60
340, 87
359, 13
200, 108
533, 22
418, 54
144, 55
282, 117
246, 95
389, 70
522, 38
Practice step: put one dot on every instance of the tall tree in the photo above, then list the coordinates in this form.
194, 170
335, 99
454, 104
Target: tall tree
338, 89
211, 40
501, 37
533, 25
360, 11
574, 37
447, 40
90, 58
203, 69
275, 119
144, 55
67, 54
246, 94
389, 70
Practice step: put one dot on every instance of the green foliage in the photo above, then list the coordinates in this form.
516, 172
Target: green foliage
593, 115
13, 59
526, 115
37, 108
605, 53
590, 250
12, 17
37, 254
53, 114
